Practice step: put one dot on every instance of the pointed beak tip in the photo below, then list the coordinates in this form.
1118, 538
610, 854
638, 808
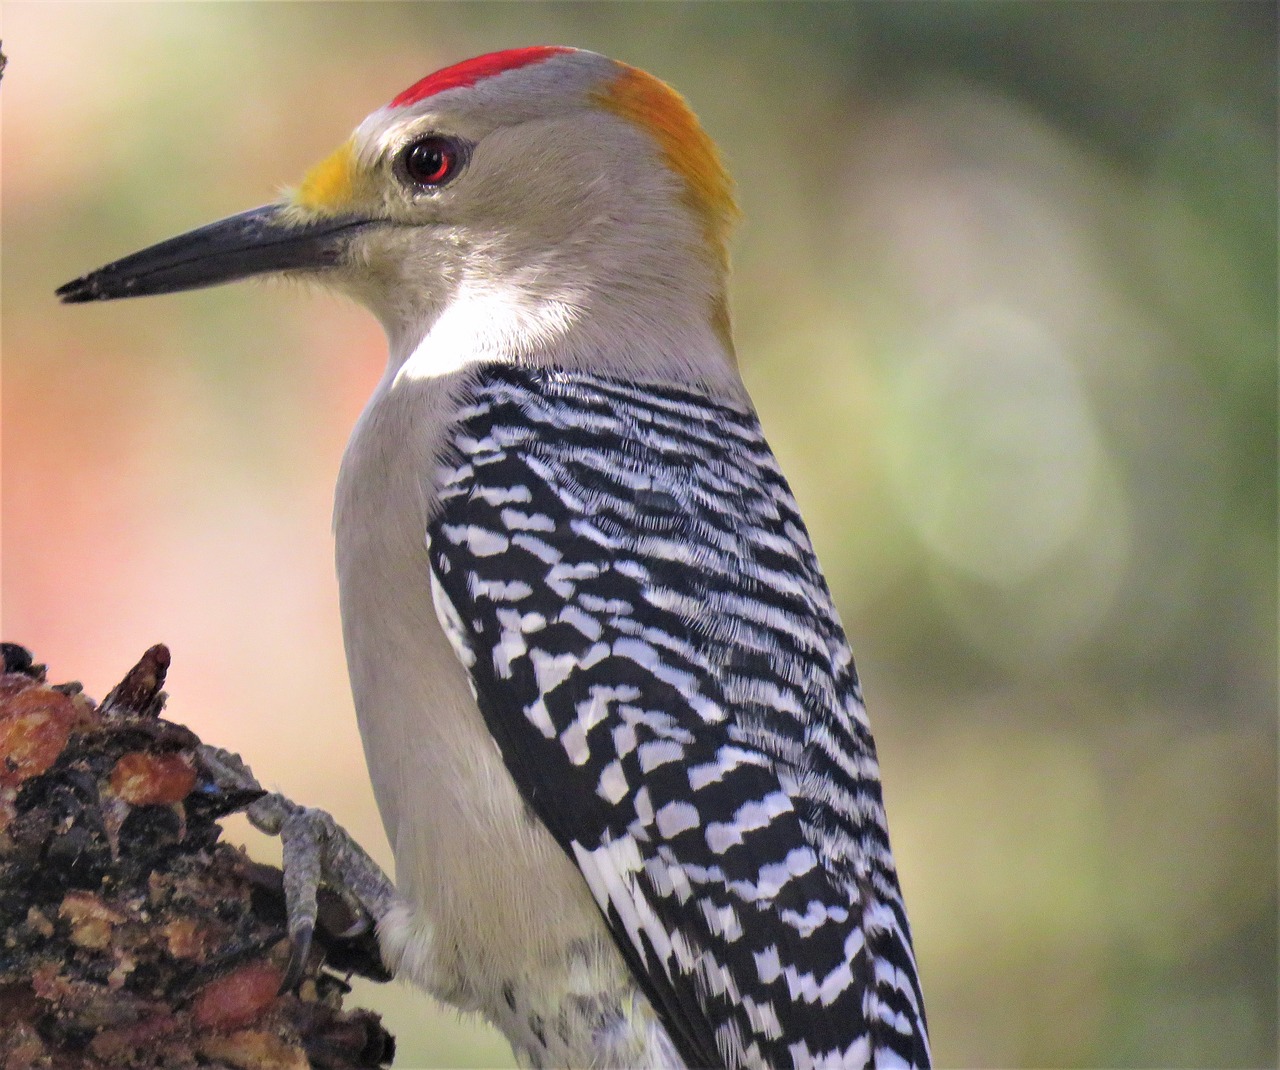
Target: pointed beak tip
78, 291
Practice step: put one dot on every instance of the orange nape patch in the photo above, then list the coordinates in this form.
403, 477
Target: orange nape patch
330, 186
641, 98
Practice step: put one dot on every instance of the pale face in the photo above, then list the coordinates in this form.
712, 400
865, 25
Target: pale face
542, 186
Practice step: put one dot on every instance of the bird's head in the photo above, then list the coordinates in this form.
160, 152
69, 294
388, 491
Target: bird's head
527, 203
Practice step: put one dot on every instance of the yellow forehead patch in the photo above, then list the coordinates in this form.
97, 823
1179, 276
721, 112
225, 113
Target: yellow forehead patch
330, 186
643, 99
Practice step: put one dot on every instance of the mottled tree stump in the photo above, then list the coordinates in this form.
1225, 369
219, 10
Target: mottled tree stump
130, 936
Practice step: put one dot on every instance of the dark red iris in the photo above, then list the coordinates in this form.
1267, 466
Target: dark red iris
431, 161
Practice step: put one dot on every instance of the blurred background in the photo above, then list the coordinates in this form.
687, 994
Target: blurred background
1006, 297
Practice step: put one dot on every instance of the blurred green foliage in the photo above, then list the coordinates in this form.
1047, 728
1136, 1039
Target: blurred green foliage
1006, 298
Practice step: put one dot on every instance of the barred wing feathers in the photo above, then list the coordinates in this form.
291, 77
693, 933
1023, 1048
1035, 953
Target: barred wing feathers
625, 574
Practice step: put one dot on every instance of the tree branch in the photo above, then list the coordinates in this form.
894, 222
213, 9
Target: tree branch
129, 934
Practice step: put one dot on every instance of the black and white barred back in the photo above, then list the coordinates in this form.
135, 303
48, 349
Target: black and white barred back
625, 574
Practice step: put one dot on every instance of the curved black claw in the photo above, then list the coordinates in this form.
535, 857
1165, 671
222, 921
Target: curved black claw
299, 951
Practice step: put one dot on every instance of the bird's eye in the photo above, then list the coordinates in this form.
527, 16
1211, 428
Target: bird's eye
431, 161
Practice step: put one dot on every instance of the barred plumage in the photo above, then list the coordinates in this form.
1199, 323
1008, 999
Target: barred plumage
625, 574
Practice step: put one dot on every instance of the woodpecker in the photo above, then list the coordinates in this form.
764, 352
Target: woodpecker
609, 711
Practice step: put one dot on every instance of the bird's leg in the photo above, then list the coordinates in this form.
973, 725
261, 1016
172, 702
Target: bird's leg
316, 850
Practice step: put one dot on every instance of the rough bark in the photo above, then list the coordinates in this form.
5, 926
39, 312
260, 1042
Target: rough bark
130, 936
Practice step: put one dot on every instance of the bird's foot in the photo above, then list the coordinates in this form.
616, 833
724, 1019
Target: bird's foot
316, 849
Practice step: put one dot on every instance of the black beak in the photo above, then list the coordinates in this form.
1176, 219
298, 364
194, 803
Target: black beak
252, 243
